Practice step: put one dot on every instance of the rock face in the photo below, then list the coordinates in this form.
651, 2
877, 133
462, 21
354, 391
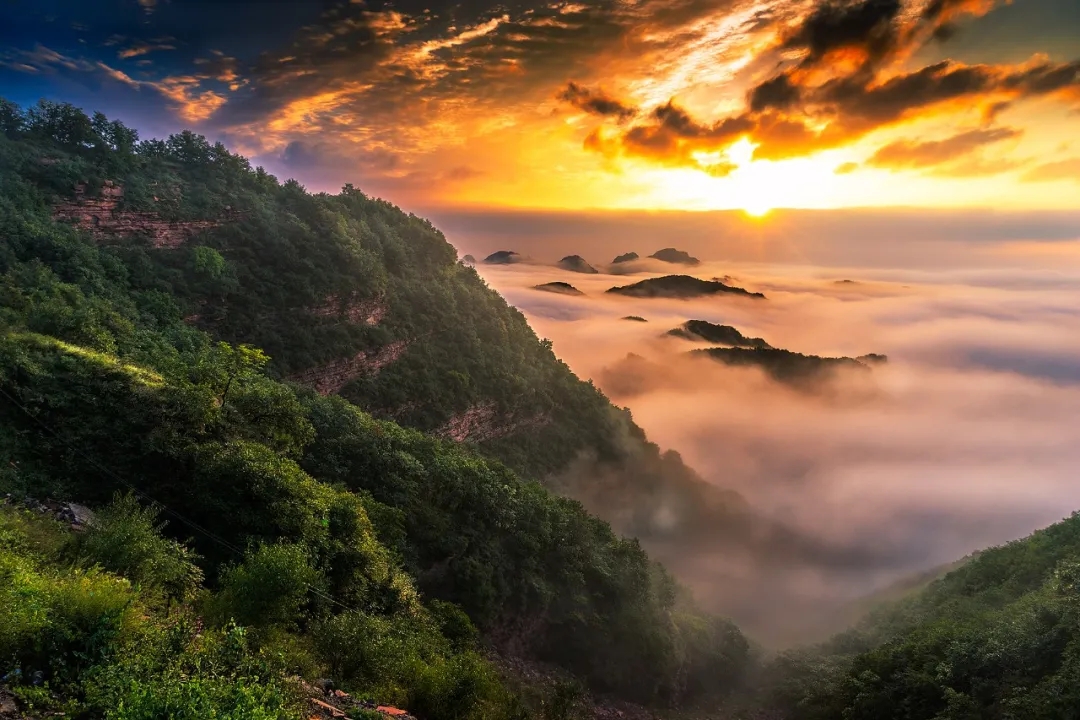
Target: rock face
102, 217
680, 286
369, 311
719, 334
482, 422
558, 287
504, 257
332, 377
626, 257
576, 263
78, 517
671, 255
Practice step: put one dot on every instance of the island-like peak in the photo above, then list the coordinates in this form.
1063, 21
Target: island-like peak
680, 286
704, 331
561, 288
625, 257
576, 263
504, 257
678, 257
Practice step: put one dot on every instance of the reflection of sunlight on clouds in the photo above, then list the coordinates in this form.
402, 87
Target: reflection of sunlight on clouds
755, 186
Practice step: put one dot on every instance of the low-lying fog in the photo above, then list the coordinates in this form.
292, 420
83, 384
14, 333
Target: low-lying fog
968, 437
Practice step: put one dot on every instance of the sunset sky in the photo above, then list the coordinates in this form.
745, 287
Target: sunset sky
665, 104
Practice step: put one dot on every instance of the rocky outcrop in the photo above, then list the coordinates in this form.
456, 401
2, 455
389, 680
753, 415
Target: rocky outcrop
369, 311
332, 377
76, 516
625, 257
326, 702
482, 422
102, 217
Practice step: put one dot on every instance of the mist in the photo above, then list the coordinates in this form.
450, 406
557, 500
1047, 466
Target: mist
965, 439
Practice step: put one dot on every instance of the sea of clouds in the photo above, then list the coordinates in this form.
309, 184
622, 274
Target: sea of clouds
968, 437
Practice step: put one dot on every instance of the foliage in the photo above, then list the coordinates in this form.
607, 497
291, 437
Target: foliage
125, 538
996, 638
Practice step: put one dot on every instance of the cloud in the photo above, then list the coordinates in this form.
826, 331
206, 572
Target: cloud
144, 48
835, 493
913, 154
668, 83
842, 78
866, 27
1059, 170
595, 102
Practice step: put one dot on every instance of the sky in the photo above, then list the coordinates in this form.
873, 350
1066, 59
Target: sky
613, 104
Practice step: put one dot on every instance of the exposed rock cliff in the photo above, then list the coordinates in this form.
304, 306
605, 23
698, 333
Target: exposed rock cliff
482, 422
369, 311
102, 216
332, 377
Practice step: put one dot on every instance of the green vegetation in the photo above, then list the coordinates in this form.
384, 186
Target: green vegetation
701, 330
305, 536
998, 637
680, 286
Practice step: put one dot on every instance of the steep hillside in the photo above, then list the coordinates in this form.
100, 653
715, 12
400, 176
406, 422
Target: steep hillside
141, 284
997, 637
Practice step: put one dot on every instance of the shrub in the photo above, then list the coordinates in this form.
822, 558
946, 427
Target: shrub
125, 538
170, 671
268, 589
57, 625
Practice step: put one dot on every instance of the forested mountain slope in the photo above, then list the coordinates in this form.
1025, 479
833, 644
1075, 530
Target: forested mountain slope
141, 282
997, 638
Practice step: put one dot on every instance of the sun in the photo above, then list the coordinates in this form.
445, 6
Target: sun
756, 209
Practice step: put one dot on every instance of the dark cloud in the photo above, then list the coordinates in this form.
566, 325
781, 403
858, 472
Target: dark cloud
787, 120
866, 26
779, 93
596, 102
844, 86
